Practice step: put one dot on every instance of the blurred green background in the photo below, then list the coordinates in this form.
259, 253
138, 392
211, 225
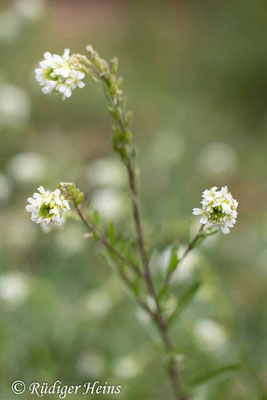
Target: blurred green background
196, 77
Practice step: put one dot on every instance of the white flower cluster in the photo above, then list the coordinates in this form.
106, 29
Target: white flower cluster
48, 208
59, 74
219, 208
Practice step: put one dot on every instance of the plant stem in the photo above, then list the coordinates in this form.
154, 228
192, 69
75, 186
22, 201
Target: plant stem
104, 240
158, 318
102, 70
121, 259
188, 249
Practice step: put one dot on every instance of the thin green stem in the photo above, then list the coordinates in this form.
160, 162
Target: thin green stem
104, 240
188, 249
121, 143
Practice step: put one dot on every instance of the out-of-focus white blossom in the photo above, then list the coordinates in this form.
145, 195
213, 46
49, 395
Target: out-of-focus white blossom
91, 364
151, 303
12, 20
107, 172
142, 315
48, 208
59, 74
32, 10
14, 288
126, 367
218, 158
27, 167
14, 106
110, 203
168, 146
10, 25
98, 302
211, 334
5, 189
169, 305
218, 208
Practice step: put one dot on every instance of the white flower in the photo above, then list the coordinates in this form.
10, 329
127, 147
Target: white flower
59, 74
48, 208
218, 208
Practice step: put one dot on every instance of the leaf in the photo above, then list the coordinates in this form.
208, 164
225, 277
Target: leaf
185, 299
111, 233
203, 236
163, 291
174, 259
136, 286
96, 218
216, 375
211, 233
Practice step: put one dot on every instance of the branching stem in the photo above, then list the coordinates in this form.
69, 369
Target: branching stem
104, 240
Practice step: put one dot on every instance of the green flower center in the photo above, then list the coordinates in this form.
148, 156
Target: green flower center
217, 214
47, 74
45, 210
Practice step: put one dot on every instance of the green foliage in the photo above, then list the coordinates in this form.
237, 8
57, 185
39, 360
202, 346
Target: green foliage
216, 375
173, 264
72, 192
204, 234
184, 300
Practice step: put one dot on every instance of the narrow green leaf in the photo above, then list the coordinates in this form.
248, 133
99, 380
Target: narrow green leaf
203, 236
185, 299
216, 375
163, 291
174, 259
128, 118
96, 217
211, 233
136, 286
